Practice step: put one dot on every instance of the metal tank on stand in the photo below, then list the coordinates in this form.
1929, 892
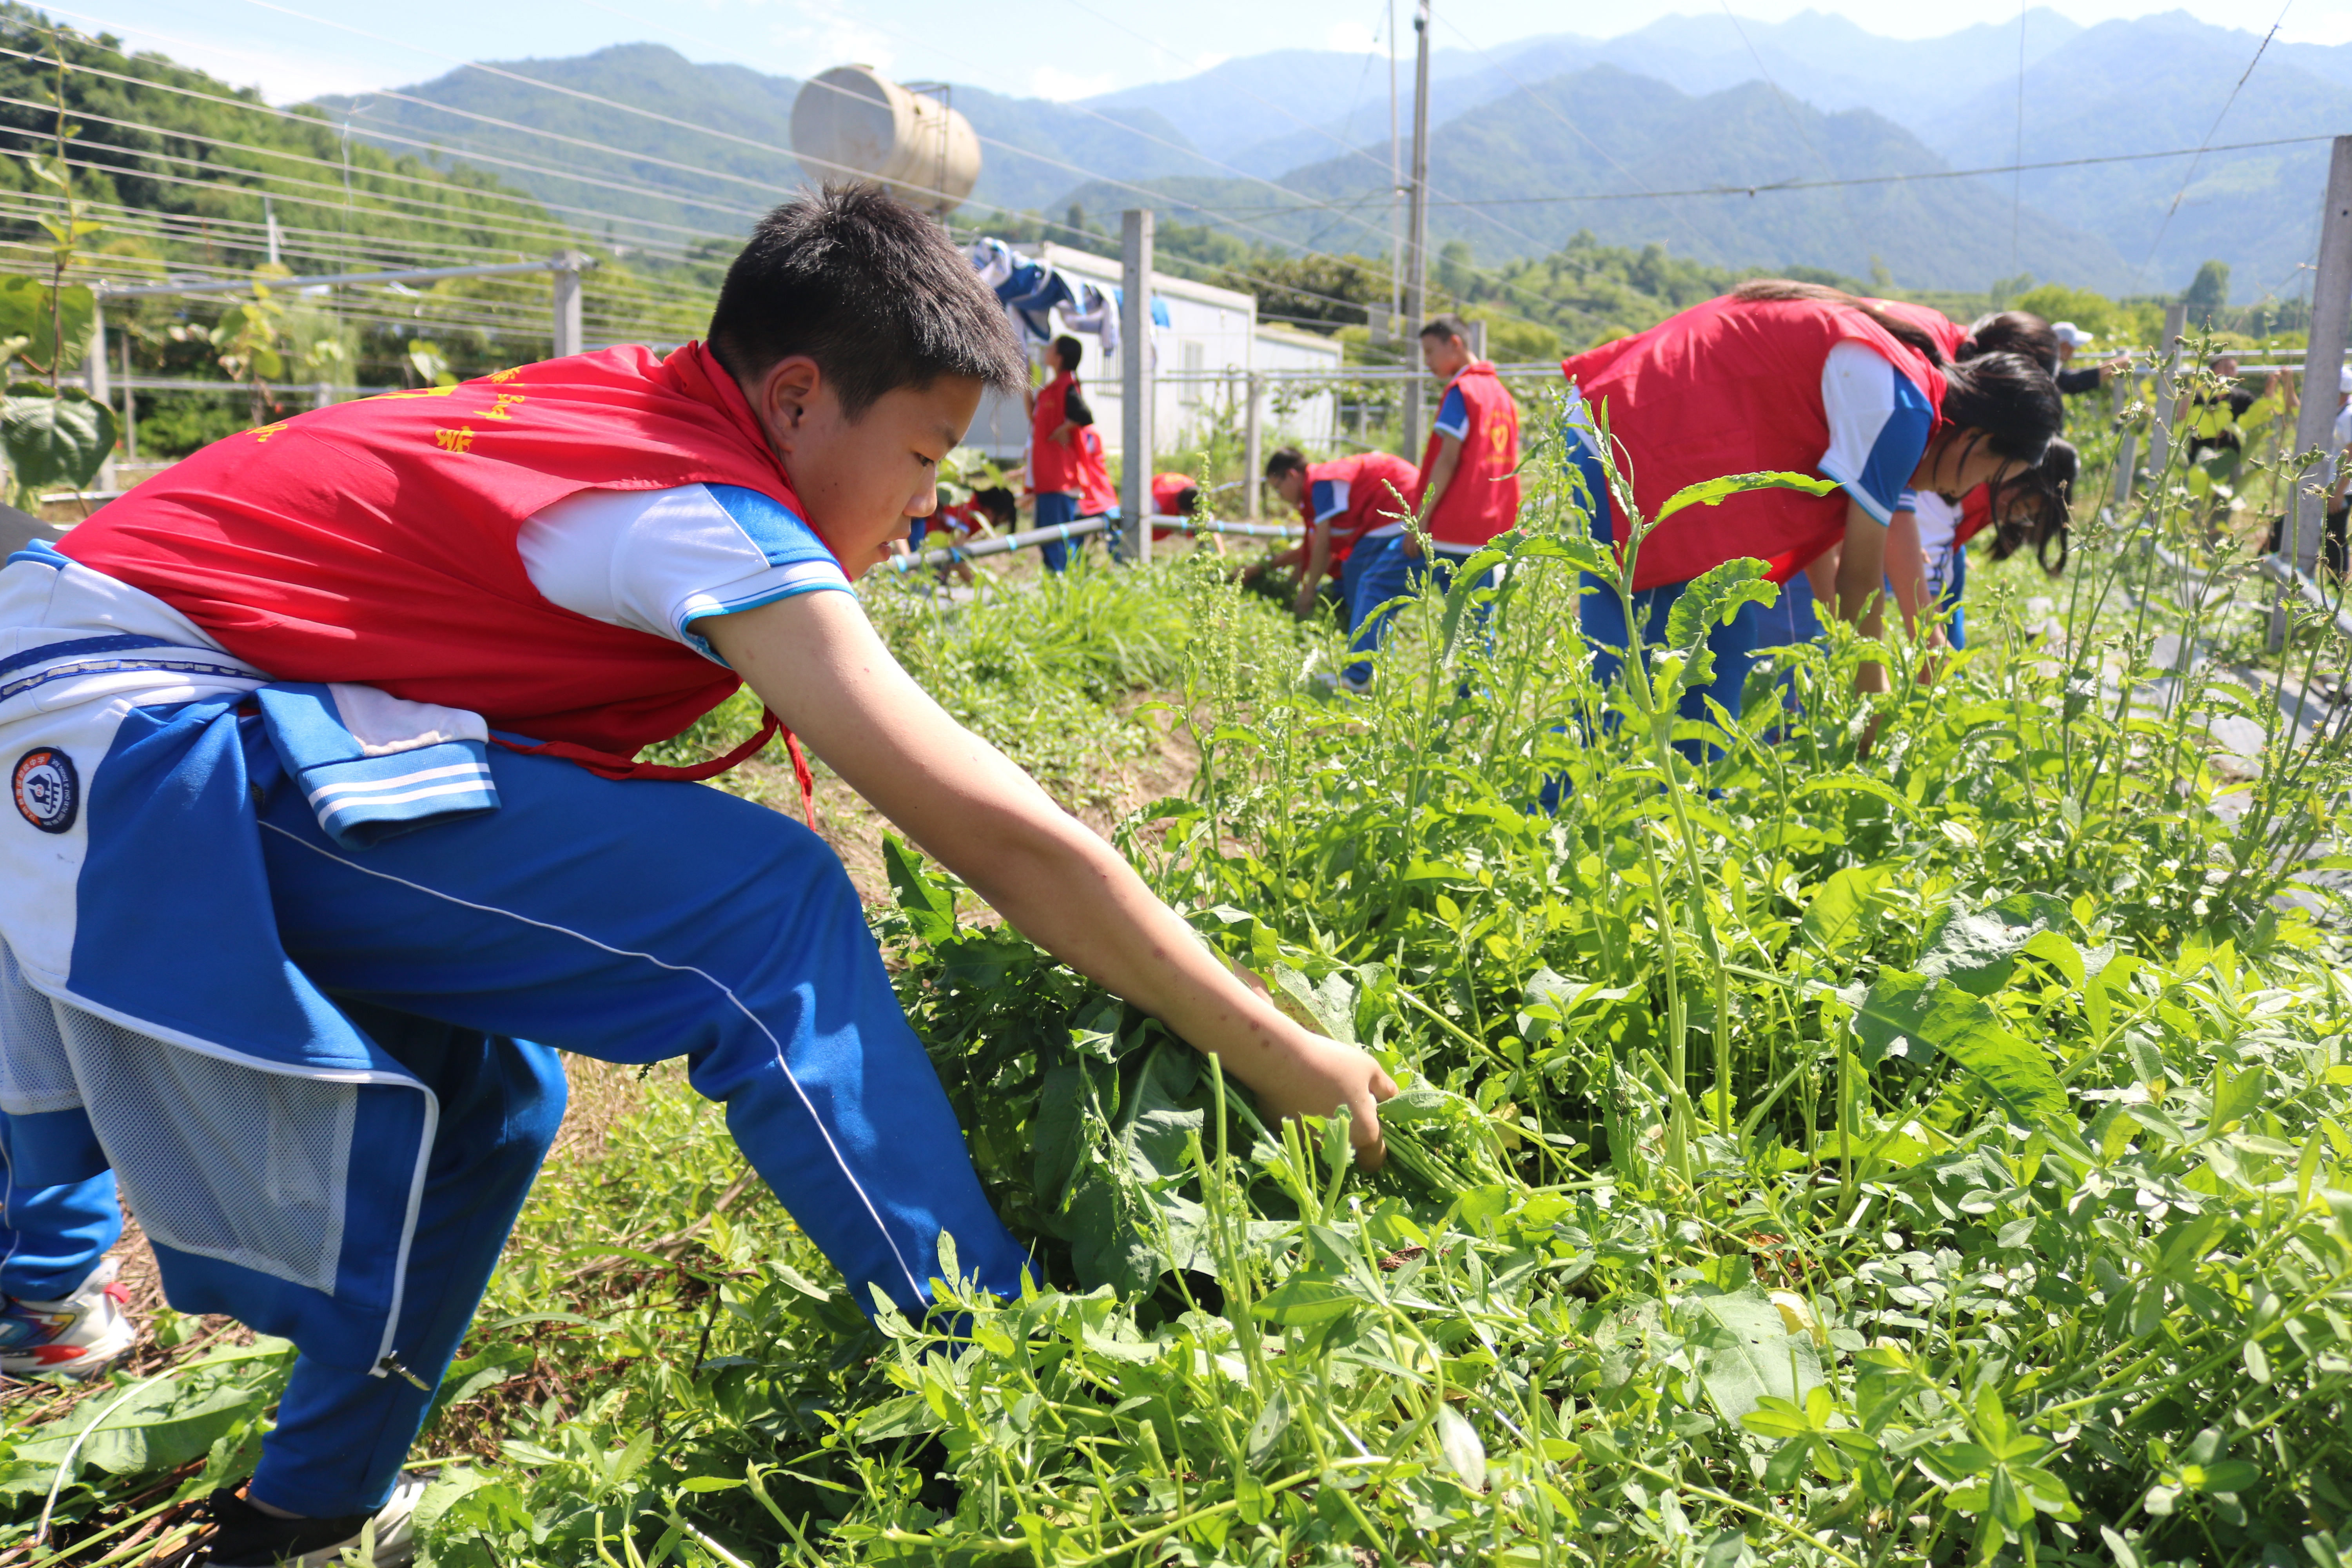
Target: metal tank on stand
853, 120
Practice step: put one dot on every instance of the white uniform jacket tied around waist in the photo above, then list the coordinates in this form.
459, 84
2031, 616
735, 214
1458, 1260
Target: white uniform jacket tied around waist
274, 1153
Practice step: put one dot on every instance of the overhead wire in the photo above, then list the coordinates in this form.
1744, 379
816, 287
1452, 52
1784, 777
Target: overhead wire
1854, 228
1350, 150
704, 171
2191, 174
469, 218
1557, 113
1312, 203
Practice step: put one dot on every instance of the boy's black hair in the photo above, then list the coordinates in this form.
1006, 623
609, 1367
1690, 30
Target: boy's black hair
1001, 504
1070, 351
2007, 399
1188, 502
2012, 332
1448, 325
1283, 460
869, 289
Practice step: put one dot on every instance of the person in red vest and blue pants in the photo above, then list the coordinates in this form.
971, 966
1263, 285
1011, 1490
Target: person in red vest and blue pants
1058, 413
1470, 492
1788, 377
1343, 502
327, 826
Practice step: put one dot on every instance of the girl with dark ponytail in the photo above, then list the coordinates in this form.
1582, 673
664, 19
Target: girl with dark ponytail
1785, 376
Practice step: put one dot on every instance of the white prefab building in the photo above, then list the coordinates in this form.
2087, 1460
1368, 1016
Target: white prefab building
1200, 359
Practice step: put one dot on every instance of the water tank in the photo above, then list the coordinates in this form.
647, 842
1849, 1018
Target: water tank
854, 118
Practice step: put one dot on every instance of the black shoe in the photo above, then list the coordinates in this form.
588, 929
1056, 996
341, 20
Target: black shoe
243, 1536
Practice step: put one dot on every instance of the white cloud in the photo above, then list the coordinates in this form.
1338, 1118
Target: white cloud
830, 36
1351, 38
1052, 82
1209, 62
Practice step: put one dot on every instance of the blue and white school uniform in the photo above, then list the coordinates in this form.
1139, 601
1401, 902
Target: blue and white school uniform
277, 954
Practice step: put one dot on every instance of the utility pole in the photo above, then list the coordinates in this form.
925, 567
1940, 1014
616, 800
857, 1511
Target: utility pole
1416, 287
1396, 196
568, 337
1135, 235
2323, 366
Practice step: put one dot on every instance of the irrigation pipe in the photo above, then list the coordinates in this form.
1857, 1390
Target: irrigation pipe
1078, 530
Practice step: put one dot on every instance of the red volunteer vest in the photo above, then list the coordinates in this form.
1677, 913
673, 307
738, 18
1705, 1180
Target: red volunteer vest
1731, 387
1053, 467
1483, 500
1167, 497
1096, 494
1976, 514
374, 541
1948, 333
1381, 487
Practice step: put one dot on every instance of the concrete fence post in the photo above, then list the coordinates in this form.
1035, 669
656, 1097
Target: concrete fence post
2119, 397
565, 271
2168, 351
1253, 444
1135, 381
94, 378
2323, 365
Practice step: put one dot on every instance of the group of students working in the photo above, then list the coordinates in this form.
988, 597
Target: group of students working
328, 839
1933, 433
1063, 472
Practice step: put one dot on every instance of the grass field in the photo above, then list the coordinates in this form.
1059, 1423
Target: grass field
1921, 1133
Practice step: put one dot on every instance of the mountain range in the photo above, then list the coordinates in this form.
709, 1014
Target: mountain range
1538, 139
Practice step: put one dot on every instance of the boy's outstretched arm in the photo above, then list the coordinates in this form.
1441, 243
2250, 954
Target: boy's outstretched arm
815, 661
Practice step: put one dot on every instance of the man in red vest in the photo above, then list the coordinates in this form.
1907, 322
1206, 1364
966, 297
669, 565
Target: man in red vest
1343, 502
1470, 490
327, 807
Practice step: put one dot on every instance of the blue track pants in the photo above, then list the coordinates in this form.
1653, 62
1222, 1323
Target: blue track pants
52, 1232
630, 921
1384, 572
1055, 509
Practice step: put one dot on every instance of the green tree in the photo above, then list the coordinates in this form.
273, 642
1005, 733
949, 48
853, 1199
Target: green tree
2208, 293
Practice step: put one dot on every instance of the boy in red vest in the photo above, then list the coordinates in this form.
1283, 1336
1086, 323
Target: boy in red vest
326, 810
1470, 491
1345, 503
1173, 495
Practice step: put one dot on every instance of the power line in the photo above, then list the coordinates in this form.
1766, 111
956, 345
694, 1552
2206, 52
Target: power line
2191, 171
1781, 185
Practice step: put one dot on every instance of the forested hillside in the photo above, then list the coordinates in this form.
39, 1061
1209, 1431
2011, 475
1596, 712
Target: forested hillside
655, 145
183, 176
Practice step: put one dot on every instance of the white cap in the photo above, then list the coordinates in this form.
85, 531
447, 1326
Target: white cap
2072, 336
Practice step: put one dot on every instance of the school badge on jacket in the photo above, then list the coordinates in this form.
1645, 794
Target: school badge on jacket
47, 790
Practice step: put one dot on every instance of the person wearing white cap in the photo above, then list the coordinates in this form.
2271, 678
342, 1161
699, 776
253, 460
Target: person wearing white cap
2069, 337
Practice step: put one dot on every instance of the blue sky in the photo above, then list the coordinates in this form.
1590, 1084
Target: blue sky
294, 49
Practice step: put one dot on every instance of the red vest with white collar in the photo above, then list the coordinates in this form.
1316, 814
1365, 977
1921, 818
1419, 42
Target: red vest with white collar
1482, 500
1731, 387
374, 541
1381, 487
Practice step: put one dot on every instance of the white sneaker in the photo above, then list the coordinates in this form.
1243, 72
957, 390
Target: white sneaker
73, 1337
245, 1537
